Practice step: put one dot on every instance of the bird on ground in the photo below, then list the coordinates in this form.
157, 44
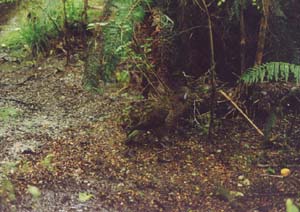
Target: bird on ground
159, 116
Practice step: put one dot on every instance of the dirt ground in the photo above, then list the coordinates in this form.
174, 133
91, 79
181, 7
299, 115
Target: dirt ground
66, 141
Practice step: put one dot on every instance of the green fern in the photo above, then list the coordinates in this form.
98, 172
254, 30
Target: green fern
118, 32
272, 71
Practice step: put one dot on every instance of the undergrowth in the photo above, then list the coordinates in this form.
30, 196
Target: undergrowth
272, 71
43, 25
119, 31
45, 22
8, 1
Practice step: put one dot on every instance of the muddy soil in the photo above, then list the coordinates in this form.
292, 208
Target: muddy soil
82, 133
66, 142
8, 8
50, 101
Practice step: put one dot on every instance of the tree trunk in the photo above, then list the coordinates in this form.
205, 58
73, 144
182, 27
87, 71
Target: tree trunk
262, 32
66, 33
85, 10
93, 67
212, 68
242, 39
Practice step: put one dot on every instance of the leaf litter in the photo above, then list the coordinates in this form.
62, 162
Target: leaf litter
69, 142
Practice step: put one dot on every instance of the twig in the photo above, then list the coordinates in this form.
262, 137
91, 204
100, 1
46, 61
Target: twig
195, 110
241, 111
122, 89
19, 102
26, 80
269, 175
276, 165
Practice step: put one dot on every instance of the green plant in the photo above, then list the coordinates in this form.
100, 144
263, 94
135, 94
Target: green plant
7, 189
47, 162
119, 30
7, 113
7, 1
34, 191
272, 71
290, 206
84, 196
36, 34
45, 21
123, 76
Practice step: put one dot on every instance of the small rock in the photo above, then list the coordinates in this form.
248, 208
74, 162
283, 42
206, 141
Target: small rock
236, 194
241, 177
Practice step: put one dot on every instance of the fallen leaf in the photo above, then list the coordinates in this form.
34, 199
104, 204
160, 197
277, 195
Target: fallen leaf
84, 196
34, 191
290, 207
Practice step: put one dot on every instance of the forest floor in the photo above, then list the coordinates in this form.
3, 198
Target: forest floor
68, 142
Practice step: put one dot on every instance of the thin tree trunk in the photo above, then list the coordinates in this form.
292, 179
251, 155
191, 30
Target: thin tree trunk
212, 69
66, 32
85, 10
242, 88
85, 24
262, 32
242, 39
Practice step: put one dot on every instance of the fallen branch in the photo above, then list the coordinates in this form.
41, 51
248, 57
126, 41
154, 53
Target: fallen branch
30, 105
270, 175
95, 7
241, 111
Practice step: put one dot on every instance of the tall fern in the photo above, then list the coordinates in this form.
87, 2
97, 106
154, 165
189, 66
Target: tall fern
272, 71
119, 30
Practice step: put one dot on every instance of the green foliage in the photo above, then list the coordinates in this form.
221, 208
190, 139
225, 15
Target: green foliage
118, 32
131, 61
271, 170
34, 191
201, 122
123, 76
272, 71
92, 67
7, 113
7, 1
290, 206
7, 189
74, 11
84, 196
47, 162
45, 21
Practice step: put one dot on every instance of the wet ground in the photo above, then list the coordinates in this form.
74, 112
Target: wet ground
66, 141
81, 132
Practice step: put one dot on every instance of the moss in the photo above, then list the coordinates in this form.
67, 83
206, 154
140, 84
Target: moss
7, 113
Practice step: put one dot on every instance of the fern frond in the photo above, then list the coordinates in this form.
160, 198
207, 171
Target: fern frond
118, 33
272, 71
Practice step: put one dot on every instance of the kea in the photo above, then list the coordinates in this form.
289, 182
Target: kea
159, 116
